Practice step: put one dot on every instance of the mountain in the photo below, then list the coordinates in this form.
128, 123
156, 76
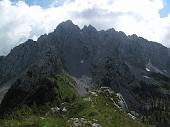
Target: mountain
76, 111
133, 66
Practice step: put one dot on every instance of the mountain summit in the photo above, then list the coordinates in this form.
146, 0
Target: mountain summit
136, 68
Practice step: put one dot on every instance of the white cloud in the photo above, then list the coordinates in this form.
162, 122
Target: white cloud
18, 22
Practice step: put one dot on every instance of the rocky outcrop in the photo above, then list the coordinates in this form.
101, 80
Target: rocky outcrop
1, 58
107, 58
81, 48
81, 122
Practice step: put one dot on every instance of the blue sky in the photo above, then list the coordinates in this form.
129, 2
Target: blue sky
166, 10
42, 3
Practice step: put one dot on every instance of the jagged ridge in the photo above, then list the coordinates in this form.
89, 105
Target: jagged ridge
107, 57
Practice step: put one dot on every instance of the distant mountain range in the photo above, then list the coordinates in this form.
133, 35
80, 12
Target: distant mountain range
133, 66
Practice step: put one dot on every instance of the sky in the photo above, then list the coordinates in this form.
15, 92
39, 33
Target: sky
28, 19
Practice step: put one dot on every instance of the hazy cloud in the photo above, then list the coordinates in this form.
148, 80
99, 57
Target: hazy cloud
18, 22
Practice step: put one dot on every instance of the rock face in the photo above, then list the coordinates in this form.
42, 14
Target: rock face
1, 58
109, 58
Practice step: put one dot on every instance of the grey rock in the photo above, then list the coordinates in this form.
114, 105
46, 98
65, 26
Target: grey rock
96, 125
106, 57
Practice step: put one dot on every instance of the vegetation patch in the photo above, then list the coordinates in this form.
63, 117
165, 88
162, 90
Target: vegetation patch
87, 111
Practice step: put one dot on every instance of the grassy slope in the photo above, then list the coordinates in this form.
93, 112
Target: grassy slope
64, 87
99, 108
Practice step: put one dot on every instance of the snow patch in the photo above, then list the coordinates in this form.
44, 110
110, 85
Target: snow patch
147, 69
146, 77
82, 61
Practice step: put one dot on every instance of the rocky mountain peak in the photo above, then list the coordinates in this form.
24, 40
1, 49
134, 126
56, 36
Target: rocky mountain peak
89, 28
67, 26
107, 57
